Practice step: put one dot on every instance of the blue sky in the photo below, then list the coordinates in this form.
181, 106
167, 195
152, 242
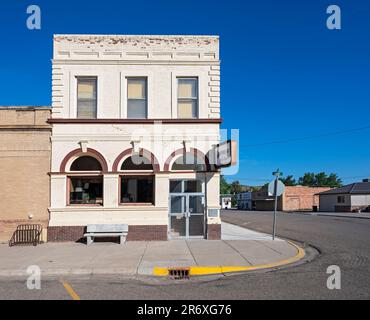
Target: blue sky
284, 74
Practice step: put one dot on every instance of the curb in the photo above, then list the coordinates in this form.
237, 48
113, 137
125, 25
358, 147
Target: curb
212, 270
328, 215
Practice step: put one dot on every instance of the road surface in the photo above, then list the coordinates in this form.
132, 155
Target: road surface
344, 242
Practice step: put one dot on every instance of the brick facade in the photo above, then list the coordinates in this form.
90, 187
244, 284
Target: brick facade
7, 228
66, 233
294, 198
135, 233
24, 166
214, 231
301, 198
147, 233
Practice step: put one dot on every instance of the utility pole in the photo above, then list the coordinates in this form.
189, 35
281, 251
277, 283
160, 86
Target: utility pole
277, 174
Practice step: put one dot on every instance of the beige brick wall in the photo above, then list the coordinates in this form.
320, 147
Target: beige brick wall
301, 198
25, 152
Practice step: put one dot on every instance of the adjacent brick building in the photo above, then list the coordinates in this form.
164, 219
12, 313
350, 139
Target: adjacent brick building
25, 152
294, 198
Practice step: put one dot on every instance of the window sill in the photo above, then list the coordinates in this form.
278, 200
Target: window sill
85, 205
136, 204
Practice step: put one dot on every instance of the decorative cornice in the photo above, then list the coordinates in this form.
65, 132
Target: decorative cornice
134, 121
135, 62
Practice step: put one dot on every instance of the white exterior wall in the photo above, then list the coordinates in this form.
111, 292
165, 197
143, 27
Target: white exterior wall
112, 59
360, 200
329, 201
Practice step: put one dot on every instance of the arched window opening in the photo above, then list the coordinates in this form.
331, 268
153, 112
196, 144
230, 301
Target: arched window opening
137, 188
189, 161
137, 163
86, 163
86, 190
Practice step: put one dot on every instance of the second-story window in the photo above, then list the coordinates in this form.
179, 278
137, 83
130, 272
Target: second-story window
187, 98
86, 97
136, 98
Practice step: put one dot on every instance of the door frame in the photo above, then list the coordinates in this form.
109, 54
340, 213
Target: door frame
187, 214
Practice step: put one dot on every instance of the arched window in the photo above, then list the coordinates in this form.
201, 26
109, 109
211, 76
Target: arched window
86, 163
86, 190
189, 161
137, 163
137, 183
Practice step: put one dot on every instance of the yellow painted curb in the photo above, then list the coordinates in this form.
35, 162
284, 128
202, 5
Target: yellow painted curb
70, 290
209, 270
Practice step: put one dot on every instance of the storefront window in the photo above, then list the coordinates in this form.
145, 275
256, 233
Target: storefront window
86, 190
137, 189
137, 186
87, 187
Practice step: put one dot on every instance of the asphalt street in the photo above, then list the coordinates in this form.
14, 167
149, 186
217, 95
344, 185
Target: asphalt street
344, 242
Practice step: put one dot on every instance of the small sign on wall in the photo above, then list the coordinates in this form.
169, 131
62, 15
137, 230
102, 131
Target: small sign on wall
225, 154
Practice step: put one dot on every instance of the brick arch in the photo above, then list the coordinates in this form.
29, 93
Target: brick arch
90, 152
181, 151
142, 152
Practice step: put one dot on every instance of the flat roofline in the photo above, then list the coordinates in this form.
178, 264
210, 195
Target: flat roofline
25, 107
135, 35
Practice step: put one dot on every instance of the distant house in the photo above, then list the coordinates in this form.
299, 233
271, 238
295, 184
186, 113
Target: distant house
350, 198
294, 198
226, 201
244, 200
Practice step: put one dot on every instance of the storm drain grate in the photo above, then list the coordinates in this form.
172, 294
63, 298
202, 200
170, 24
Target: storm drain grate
179, 273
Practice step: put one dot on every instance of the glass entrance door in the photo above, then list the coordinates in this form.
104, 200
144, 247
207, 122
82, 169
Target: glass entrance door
178, 216
196, 215
187, 207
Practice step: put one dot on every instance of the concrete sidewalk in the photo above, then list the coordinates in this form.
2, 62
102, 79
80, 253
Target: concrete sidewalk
240, 249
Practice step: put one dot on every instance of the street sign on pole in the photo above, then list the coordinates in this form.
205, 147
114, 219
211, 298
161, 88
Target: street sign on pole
280, 188
277, 188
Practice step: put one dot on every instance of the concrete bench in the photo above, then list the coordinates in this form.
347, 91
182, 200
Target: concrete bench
106, 230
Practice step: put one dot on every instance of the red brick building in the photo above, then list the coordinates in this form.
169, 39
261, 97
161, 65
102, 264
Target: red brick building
294, 198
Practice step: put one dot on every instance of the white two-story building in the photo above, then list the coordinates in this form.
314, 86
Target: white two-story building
134, 122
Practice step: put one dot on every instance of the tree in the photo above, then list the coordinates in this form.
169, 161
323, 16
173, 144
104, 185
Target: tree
333, 181
224, 186
320, 179
289, 181
308, 179
235, 187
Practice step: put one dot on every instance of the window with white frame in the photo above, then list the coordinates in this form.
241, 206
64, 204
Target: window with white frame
137, 103
86, 97
187, 97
